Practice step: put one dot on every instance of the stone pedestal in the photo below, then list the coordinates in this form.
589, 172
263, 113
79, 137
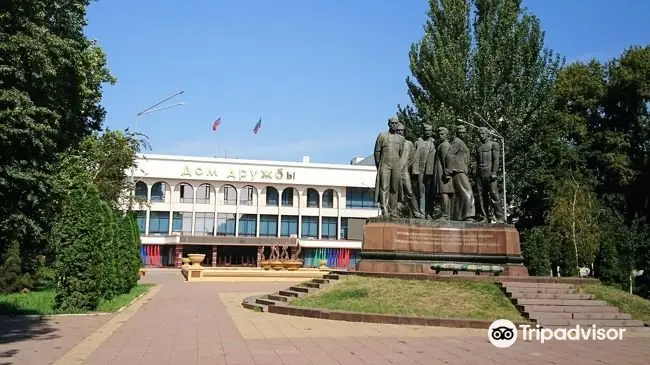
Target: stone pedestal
421, 246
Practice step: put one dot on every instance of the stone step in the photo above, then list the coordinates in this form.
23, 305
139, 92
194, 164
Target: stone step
592, 316
290, 293
265, 301
542, 316
331, 276
541, 290
255, 307
539, 316
590, 322
313, 285
278, 297
552, 296
321, 281
299, 289
515, 284
573, 302
570, 308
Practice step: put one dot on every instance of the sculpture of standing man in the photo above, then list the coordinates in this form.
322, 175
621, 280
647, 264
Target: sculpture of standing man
462, 205
442, 180
487, 160
388, 150
423, 170
406, 192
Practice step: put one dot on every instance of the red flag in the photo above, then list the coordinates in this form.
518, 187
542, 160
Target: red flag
258, 125
216, 124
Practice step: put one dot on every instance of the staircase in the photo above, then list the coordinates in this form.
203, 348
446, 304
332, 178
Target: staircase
261, 303
558, 305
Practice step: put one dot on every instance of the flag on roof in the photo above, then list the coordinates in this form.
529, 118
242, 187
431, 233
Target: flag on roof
216, 124
257, 126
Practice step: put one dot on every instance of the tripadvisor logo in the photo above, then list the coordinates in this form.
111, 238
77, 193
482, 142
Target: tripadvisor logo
503, 333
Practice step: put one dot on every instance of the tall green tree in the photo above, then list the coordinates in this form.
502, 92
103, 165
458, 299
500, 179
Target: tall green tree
51, 76
487, 58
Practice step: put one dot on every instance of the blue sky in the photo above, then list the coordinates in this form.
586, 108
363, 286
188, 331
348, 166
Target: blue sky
324, 76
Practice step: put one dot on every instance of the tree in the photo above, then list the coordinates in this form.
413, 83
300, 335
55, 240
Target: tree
50, 92
78, 236
487, 57
130, 259
10, 273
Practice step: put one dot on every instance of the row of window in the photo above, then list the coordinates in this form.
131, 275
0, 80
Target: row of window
354, 197
204, 225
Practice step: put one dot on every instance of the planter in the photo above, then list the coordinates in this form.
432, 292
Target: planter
265, 264
196, 259
276, 265
186, 262
293, 265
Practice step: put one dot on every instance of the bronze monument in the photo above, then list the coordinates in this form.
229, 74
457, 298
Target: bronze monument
423, 171
487, 163
388, 151
457, 243
444, 191
462, 204
407, 198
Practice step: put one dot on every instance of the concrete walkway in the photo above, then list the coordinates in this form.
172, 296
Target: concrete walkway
204, 323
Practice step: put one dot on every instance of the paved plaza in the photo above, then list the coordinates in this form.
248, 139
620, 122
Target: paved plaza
204, 323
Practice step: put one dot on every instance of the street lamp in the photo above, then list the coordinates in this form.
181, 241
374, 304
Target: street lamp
493, 132
149, 110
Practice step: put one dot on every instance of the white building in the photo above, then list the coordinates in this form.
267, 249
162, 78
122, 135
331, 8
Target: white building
227, 208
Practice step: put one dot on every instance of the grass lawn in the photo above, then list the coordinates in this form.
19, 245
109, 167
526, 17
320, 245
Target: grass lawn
42, 302
455, 299
636, 306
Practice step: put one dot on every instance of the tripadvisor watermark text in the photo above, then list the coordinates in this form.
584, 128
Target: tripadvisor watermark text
503, 333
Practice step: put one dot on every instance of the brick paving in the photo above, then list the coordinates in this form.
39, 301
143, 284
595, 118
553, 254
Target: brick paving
204, 323
40, 341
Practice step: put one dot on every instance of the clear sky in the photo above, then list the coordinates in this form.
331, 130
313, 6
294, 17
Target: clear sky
324, 76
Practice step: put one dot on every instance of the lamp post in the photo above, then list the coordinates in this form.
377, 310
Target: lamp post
149, 110
493, 132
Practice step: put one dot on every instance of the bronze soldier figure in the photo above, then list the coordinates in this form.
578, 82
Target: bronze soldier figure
423, 170
487, 160
443, 189
462, 205
388, 150
407, 196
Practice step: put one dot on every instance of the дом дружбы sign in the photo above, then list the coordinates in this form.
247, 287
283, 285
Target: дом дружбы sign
247, 174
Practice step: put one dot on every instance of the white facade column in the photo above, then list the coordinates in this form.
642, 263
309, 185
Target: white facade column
216, 210
193, 209
148, 215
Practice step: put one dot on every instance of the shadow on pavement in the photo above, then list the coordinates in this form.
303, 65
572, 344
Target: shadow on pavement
15, 328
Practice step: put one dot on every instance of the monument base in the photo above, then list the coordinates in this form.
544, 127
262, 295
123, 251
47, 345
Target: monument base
440, 247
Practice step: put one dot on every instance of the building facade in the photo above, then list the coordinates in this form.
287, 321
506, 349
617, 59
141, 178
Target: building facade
227, 208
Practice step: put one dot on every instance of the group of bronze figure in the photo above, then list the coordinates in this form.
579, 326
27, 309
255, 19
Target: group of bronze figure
423, 180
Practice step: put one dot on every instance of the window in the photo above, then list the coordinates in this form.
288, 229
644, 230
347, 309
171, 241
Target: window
158, 191
203, 194
141, 219
141, 191
269, 225
309, 227
186, 193
225, 224
271, 196
204, 224
329, 228
229, 195
312, 198
247, 196
344, 228
287, 197
360, 198
288, 225
328, 199
182, 223
159, 223
248, 225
